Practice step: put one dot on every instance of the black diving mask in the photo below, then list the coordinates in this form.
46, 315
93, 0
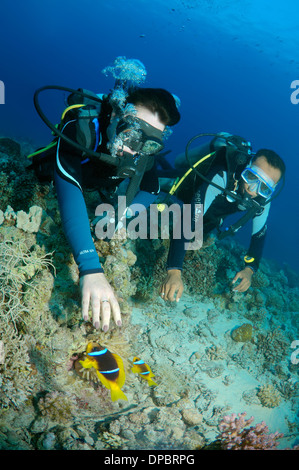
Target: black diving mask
140, 136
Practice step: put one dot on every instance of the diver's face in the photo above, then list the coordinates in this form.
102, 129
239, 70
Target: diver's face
271, 172
141, 113
151, 118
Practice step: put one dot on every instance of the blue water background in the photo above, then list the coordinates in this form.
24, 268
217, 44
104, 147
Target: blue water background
230, 62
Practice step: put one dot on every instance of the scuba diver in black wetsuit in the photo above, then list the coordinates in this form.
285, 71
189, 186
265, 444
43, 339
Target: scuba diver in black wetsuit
99, 145
252, 178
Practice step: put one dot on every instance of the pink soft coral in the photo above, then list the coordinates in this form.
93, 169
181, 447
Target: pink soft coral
234, 435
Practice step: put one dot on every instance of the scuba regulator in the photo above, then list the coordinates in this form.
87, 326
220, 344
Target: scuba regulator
126, 165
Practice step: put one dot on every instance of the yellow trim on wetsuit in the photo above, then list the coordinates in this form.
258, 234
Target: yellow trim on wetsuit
248, 259
52, 144
178, 181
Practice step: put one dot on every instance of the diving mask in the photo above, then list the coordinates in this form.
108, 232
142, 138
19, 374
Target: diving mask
258, 181
140, 136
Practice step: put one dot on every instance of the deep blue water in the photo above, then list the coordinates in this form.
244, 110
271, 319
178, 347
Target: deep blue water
230, 62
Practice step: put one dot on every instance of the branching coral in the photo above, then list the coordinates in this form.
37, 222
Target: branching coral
16, 379
288, 389
17, 266
274, 346
236, 435
215, 353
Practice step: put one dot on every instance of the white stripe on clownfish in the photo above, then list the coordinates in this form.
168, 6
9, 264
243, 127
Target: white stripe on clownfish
108, 371
141, 361
97, 353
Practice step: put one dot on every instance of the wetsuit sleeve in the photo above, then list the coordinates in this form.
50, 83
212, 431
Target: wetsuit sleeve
72, 206
205, 194
176, 254
255, 250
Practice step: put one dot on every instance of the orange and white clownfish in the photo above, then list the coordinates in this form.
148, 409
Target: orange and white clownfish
143, 370
109, 369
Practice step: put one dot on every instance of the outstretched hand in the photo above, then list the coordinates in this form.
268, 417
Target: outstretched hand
245, 275
172, 285
97, 292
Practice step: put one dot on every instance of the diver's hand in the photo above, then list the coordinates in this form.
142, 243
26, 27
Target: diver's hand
172, 284
96, 290
245, 275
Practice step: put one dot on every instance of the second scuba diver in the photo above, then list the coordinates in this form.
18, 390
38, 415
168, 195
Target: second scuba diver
248, 185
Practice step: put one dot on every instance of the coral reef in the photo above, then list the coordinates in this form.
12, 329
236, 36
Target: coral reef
59, 407
207, 264
17, 379
236, 435
269, 396
273, 345
18, 187
242, 333
202, 372
18, 265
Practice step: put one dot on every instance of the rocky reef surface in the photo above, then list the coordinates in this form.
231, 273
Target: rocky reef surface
214, 354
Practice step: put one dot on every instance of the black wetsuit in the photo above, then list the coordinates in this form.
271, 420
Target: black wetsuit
73, 172
216, 208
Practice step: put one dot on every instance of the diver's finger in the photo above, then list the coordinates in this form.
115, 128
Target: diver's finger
85, 305
241, 287
95, 307
179, 293
244, 286
237, 288
105, 314
116, 311
237, 276
171, 293
166, 289
162, 291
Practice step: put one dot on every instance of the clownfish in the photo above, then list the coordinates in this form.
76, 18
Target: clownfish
109, 369
144, 371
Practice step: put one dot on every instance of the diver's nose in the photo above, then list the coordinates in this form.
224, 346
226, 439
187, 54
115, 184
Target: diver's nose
253, 187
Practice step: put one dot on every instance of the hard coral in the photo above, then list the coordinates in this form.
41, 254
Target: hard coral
18, 265
200, 271
58, 406
260, 280
235, 435
20, 185
242, 333
268, 396
16, 379
273, 345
